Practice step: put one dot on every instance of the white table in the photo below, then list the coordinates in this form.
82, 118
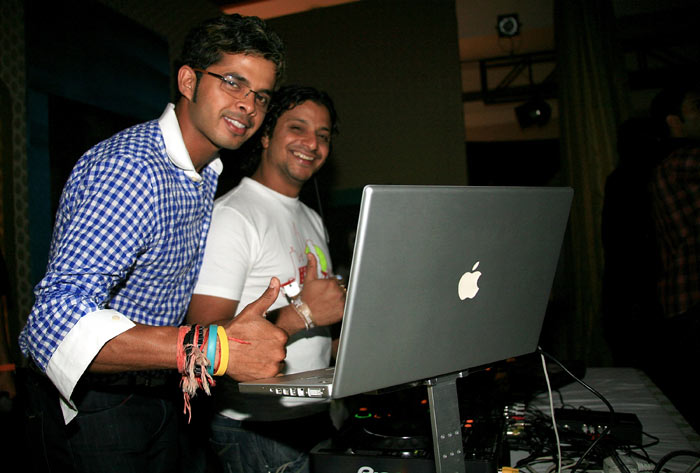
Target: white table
630, 391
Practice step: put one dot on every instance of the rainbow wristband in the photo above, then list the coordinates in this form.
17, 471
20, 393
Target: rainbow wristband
211, 348
223, 362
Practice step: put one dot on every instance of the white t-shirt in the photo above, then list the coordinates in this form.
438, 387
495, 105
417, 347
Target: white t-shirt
257, 233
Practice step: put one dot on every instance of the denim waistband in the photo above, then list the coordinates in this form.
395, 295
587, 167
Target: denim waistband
124, 379
145, 378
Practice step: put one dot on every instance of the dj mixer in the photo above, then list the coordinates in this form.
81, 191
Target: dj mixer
392, 433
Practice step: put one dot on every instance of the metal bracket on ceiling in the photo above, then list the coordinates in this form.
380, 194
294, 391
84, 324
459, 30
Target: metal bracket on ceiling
504, 91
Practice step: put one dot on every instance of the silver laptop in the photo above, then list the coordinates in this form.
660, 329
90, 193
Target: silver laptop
443, 279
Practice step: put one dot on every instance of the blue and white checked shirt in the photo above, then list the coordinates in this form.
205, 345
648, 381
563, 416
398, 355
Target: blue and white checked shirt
127, 247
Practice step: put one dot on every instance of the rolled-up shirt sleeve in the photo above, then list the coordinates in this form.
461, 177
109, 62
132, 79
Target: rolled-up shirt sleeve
79, 348
101, 229
126, 248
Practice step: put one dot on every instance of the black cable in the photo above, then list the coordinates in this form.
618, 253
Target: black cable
596, 393
641, 453
320, 209
618, 461
669, 456
693, 467
561, 397
646, 458
606, 431
654, 440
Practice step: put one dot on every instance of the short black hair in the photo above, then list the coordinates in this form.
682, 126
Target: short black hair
206, 43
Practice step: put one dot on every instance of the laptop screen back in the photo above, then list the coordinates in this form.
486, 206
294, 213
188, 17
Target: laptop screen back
413, 310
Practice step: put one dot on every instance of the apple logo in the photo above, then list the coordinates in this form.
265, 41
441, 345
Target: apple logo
468, 283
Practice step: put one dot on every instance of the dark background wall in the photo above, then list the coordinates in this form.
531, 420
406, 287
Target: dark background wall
392, 69
89, 75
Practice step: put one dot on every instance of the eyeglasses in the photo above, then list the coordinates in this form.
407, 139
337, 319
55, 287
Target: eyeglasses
239, 90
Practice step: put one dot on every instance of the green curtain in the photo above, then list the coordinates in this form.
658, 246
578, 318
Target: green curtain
593, 100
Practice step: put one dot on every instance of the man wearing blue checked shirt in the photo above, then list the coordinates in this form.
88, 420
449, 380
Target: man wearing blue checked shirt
103, 336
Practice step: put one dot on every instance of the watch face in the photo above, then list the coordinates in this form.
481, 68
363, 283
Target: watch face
508, 25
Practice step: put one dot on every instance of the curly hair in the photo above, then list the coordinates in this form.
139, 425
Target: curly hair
206, 43
283, 100
288, 97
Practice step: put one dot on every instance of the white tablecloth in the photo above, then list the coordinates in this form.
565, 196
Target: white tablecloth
630, 391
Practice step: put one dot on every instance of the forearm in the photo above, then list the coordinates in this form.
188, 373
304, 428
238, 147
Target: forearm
287, 319
142, 347
205, 310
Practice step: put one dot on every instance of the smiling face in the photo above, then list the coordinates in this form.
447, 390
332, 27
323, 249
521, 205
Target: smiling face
296, 148
211, 118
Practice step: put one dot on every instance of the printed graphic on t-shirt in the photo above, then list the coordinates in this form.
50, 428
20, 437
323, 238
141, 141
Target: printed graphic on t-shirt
299, 261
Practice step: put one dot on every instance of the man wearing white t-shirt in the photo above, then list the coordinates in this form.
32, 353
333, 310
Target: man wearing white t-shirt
261, 229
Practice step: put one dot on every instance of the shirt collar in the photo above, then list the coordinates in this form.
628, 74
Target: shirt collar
175, 146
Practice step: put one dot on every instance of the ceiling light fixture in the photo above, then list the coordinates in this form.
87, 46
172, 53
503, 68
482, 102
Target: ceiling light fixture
508, 25
533, 112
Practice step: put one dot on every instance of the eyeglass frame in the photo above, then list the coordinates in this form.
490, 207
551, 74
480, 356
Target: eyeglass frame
233, 82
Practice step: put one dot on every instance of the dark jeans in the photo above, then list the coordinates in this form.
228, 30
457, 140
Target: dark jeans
122, 429
268, 447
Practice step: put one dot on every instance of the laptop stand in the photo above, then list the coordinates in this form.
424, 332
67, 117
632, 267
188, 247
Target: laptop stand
446, 423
